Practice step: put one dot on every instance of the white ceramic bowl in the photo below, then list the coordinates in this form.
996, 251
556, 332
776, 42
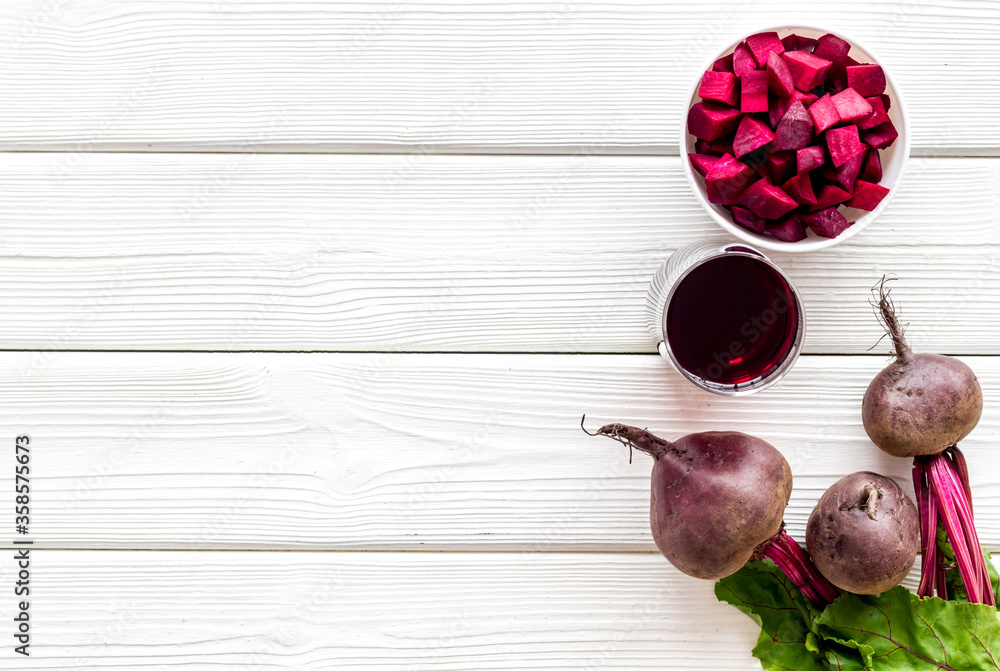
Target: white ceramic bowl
893, 159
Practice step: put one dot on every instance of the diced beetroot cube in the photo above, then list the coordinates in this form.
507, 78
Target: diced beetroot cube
830, 195
824, 113
867, 196
808, 71
828, 223
795, 42
867, 79
843, 143
766, 200
879, 114
727, 179
723, 145
795, 130
778, 106
789, 229
871, 169
887, 101
752, 134
851, 107
763, 44
753, 91
832, 48
710, 120
742, 60
881, 136
845, 175
779, 77
800, 189
720, 86
809, 158
724, 64
748, 219
702, 163
780, 165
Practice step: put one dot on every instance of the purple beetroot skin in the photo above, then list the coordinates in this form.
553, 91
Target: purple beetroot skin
795, 42
868, 80
751, 135
843, 143
766, 200
710, 120
808, 71
727, 179
753, 92
795, 131
828, 223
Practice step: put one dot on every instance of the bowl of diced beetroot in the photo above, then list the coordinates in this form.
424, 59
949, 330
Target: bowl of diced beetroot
794, 138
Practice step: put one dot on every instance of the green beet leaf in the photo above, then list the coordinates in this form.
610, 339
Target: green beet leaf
788, 637
898, 630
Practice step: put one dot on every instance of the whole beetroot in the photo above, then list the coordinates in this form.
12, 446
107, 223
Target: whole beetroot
920, 404
717, 501
863, 535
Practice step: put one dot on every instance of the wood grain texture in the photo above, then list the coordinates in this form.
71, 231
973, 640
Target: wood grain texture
202, 611
558, 76
409, 452
454, 253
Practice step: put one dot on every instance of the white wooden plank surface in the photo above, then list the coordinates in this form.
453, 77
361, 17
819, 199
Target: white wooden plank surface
455, 253
203, 611
408, 452
442, 76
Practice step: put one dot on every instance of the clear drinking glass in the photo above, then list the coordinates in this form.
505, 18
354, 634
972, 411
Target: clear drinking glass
765, 325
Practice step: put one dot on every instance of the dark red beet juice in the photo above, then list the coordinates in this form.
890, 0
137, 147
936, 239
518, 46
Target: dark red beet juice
731, 320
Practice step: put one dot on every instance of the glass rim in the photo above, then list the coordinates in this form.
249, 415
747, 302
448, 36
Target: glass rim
758, 383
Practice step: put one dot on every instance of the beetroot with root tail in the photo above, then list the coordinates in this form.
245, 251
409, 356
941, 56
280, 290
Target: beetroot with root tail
863, 533
920, 406
717, 501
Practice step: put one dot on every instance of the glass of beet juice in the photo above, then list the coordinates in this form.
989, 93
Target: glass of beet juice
726, 317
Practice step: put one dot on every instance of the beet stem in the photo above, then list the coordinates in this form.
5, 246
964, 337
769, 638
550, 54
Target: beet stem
795, 563
927, 512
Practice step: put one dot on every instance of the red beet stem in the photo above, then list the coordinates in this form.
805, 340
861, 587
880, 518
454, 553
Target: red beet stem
943, 497
795, 563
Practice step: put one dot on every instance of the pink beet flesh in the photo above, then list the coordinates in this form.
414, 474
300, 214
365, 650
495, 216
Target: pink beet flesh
810, 158
868, 80
828, 223
742, 60
703, 163
711, 120
719, 86
766, 200
843, 143
789, 229
867, 196
762, 45
800, 189
824, 114
795, 131
753, 92
724, 64
808, 71
752, 134
748, 219
780, 165
845, 175
851, 107
880, 136
727, 179
779, 77
871, 169
832, 48
830, 195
